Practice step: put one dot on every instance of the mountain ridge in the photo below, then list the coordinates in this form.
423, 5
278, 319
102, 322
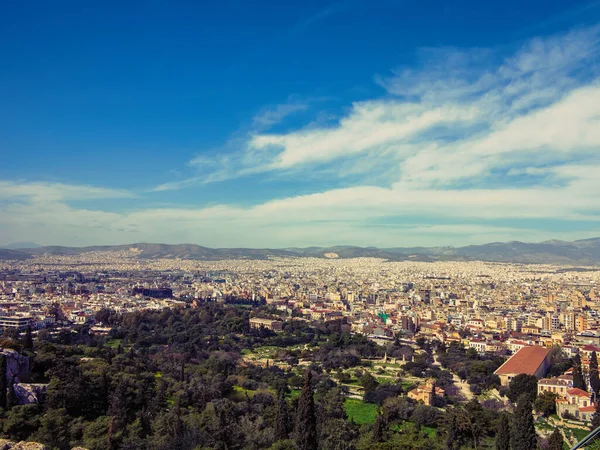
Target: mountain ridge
585, 251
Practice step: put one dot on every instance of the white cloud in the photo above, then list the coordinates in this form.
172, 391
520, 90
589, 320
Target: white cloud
460, 114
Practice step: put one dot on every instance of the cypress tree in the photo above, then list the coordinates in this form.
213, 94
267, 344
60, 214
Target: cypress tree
11, 396
578, 381
596, 418
555, 442
503, 434
306, 421
523, 435
3, 383
282, 418
378, 428
594, 378
28, 345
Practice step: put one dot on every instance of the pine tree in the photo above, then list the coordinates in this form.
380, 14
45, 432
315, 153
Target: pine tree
306, 421
594, 377
555, 442
282, 418
503, 434
578, 381
523, 435
3, 384
28, 345
596, 418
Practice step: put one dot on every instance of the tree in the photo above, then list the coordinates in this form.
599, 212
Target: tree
578, 380
306, 422
523, 435
282, 419
11, 396
522, 384
379, 428
452, 433
503, 434
594, 377
28, 345
546, 403
596, 418
3, 384
368, 382
555, 442
424, 415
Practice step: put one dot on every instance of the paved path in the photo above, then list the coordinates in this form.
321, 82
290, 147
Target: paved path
463, 387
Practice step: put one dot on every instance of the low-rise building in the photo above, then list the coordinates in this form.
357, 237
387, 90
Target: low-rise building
530, 360
577, 403
269, 324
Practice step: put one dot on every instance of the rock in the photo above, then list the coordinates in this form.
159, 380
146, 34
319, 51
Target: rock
28, 446
28, 393
17, 366
5, 444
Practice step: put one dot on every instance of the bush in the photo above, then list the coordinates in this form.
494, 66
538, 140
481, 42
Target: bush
424, 415
475, 389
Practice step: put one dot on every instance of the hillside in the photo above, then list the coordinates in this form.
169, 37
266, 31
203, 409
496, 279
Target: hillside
557, 252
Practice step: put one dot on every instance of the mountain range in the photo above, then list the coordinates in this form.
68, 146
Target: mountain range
581, 252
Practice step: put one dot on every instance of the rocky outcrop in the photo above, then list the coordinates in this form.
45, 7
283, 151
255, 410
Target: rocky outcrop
12, 445
28, 393
5, 444
17, 366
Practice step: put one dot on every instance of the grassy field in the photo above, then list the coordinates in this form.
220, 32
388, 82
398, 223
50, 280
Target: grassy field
113, 343
360, 411
430, 431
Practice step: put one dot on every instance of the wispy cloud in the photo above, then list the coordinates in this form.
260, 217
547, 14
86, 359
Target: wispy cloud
460, 108
321, 15
40, 191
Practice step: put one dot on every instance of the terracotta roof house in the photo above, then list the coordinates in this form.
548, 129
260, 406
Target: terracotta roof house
578, 403
531, 360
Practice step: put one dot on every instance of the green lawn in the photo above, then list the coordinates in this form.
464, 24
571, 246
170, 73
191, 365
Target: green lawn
294, 393
579, 434
239, 393
360, 411
113, 343
407, 385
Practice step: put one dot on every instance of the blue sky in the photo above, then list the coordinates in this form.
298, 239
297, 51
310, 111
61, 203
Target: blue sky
275, 124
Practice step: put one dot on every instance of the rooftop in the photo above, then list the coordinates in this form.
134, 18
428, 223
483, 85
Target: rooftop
527, 360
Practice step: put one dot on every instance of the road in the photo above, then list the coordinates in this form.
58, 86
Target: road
463, 387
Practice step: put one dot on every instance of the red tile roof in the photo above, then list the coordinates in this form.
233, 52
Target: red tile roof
526, 360
591, 348
578, 392
590, 408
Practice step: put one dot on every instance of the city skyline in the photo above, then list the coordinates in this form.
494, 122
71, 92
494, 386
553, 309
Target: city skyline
279, 126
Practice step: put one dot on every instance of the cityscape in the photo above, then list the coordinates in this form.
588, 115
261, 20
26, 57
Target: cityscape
525, 320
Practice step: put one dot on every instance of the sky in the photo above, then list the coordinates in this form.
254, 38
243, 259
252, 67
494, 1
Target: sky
281, 124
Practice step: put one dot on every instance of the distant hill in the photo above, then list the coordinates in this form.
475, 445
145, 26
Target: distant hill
13, 255
17, 245
582, 252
